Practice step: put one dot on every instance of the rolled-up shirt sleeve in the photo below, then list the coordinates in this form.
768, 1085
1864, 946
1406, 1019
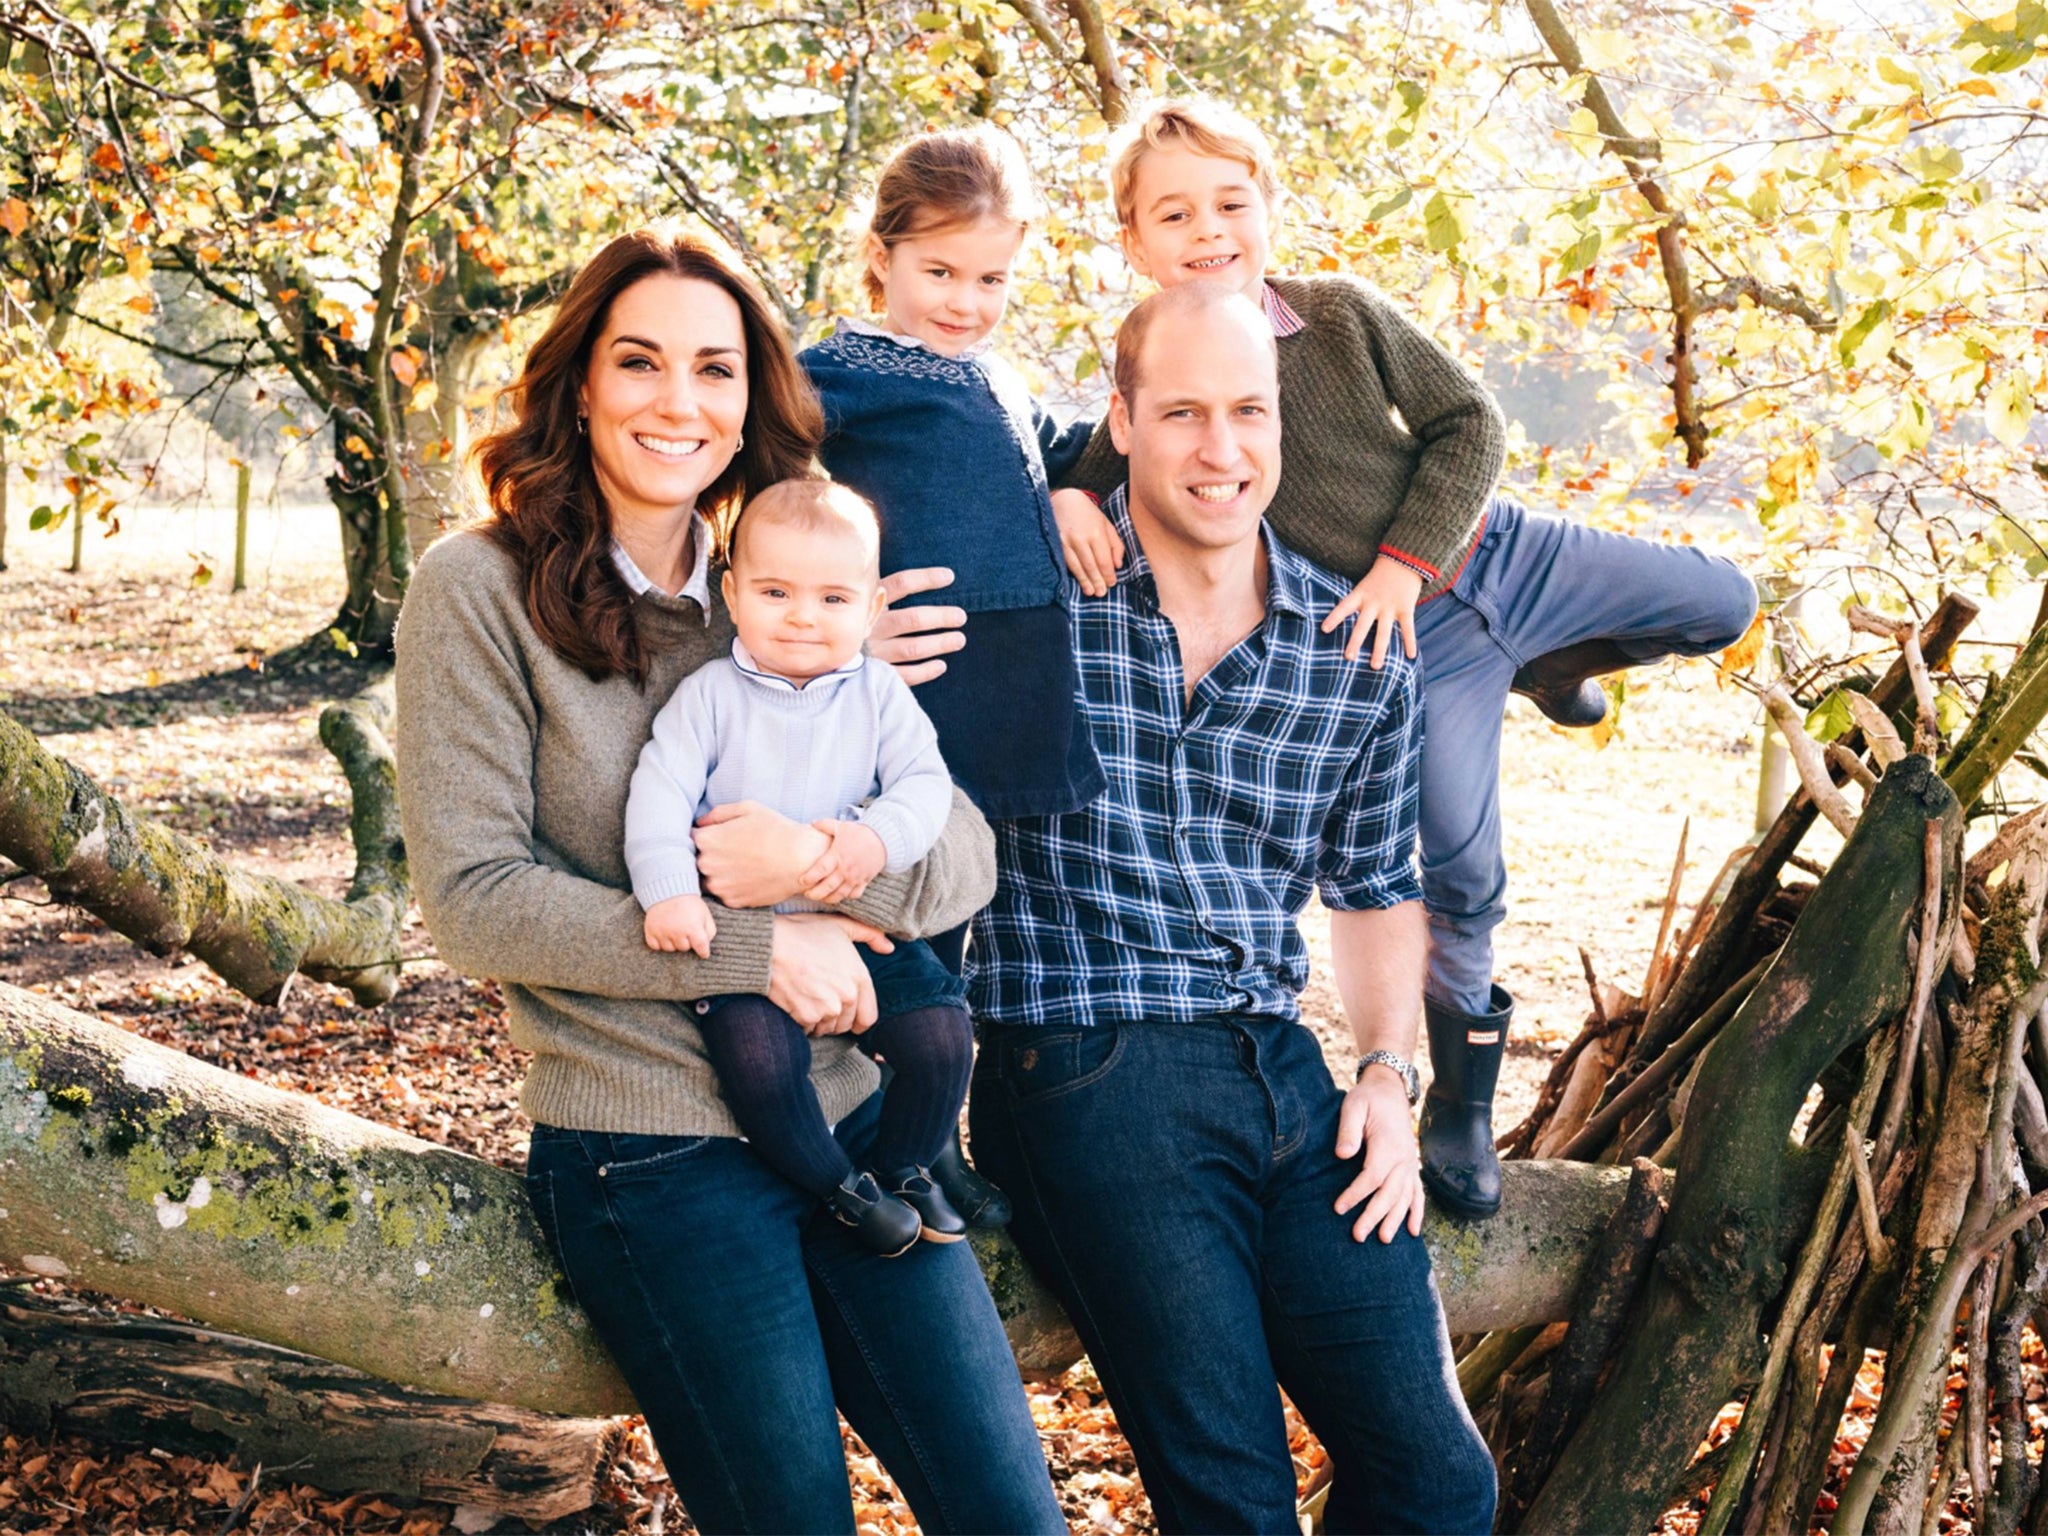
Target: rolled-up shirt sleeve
1367, 858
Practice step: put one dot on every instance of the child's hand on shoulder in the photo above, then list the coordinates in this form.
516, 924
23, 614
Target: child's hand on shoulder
1089, 541
1382, 603
680, 923
856, 856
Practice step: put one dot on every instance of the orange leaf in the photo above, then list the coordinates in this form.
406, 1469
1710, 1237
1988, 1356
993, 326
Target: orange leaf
404, 369
107, 157
142, 304
1743, 654
14, 216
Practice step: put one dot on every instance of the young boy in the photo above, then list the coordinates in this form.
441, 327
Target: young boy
799, 720
1509, 601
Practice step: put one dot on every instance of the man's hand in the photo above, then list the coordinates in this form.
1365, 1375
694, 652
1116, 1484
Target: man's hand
680, 923
751, 856
816, 976
1377, 1118
1383, 602
856, 856
1089, 540
913, 639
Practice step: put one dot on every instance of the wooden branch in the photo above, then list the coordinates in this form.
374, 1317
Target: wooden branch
2013, 708
168, 892
1786, 301
1927, 734
1661, 965
1849, 765
1807, 756
1879, 735
135, 1170
1112, 96
125, 1379
1927, 965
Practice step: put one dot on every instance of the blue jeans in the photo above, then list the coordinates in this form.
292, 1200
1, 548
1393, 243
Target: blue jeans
740, 1314
1533, 585
1174, 1183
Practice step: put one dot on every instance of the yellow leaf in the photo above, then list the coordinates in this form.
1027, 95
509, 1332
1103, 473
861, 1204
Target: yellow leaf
2007, 410
1743, 654
356, 446
424, 397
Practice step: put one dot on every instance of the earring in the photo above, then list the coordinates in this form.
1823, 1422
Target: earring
739, 441
583, 426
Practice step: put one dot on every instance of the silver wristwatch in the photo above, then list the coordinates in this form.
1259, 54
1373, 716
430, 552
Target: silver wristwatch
1410, 1078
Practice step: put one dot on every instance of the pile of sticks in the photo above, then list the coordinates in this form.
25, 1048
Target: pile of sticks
1830, 1090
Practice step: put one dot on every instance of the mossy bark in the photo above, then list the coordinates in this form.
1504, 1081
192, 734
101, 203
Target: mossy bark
130, 1168
168, 892
1695, 1336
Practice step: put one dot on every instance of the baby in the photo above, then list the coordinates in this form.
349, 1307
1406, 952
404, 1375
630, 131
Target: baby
799, 720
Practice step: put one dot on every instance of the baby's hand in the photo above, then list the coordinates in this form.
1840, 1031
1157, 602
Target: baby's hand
679, 923
1383, 602
1089, 541
856, 856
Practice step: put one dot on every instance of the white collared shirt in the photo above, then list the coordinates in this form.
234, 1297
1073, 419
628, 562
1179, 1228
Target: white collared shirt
744, 660
869, 328
696, 586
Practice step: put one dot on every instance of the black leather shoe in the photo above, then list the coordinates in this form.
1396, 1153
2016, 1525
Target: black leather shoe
980, 1202
1560, 683
881, 1223
1460, 1168
916, 1188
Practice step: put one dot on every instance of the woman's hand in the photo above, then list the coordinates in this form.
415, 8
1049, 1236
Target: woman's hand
1383, 602
815, 974
913, 639
751, 856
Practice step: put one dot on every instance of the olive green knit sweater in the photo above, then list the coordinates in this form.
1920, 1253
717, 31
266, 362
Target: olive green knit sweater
1355, 482
512, 774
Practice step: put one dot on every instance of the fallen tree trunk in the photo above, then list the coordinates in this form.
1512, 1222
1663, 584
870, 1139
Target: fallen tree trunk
130, 1168
1694, 1339
69, 1368
168, 892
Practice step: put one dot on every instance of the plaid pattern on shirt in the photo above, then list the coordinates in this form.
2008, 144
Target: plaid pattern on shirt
1173, 896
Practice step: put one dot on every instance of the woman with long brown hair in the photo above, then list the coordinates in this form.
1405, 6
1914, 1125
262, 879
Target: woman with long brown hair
533, 653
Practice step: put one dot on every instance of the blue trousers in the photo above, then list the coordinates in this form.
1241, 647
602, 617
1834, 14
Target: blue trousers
1174, 1183
740, 1314
1533, 585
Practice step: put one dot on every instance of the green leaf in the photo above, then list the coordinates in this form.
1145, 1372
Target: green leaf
1445, 228
1583, 253
1831, 717
1860, 328
1085, 369
41, 518
1389, 205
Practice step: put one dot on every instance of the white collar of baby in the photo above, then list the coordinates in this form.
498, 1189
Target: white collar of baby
760, 674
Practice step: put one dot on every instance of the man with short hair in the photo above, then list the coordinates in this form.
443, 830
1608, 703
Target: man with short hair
1216, 1214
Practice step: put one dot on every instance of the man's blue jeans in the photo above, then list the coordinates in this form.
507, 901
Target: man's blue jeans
1175, 1183
1533, 585
740, 1313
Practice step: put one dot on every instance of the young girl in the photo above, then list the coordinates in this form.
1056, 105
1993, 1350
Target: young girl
942, 436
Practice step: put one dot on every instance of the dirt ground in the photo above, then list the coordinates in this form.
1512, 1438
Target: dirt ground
154, 685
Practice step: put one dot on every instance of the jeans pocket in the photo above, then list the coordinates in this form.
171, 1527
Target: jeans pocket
620, 1155
1050, 1064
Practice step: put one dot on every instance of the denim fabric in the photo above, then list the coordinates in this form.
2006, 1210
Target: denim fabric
1533, 585
1175, 1185
740, 1314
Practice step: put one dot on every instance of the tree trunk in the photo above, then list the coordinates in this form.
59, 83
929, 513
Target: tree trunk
168, 892
1695, 1336
115, 1377
135, 1170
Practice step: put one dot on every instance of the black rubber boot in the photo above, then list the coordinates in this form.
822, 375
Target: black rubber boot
881, 1223
980, 1202
1560, 683
916, 1188
1459, 1166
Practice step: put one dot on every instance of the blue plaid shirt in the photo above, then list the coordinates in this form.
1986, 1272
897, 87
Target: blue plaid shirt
1173, 896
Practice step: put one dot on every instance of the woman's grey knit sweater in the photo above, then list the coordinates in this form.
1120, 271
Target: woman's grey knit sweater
512, 775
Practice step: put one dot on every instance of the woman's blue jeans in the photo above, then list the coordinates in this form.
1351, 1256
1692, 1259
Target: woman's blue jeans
740, 1314
1175, 1184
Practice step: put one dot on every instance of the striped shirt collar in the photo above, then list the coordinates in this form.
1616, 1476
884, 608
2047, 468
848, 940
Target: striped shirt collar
743, 659
696, 587
1280, 314
868, 328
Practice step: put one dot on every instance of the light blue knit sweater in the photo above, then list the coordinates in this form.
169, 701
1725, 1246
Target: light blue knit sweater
732, 731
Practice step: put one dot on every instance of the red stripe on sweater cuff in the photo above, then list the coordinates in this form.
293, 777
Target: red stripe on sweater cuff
1414, 562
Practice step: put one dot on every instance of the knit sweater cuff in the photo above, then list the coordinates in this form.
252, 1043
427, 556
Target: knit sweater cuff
1428, 547
662, 881
901, 844
741, 953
